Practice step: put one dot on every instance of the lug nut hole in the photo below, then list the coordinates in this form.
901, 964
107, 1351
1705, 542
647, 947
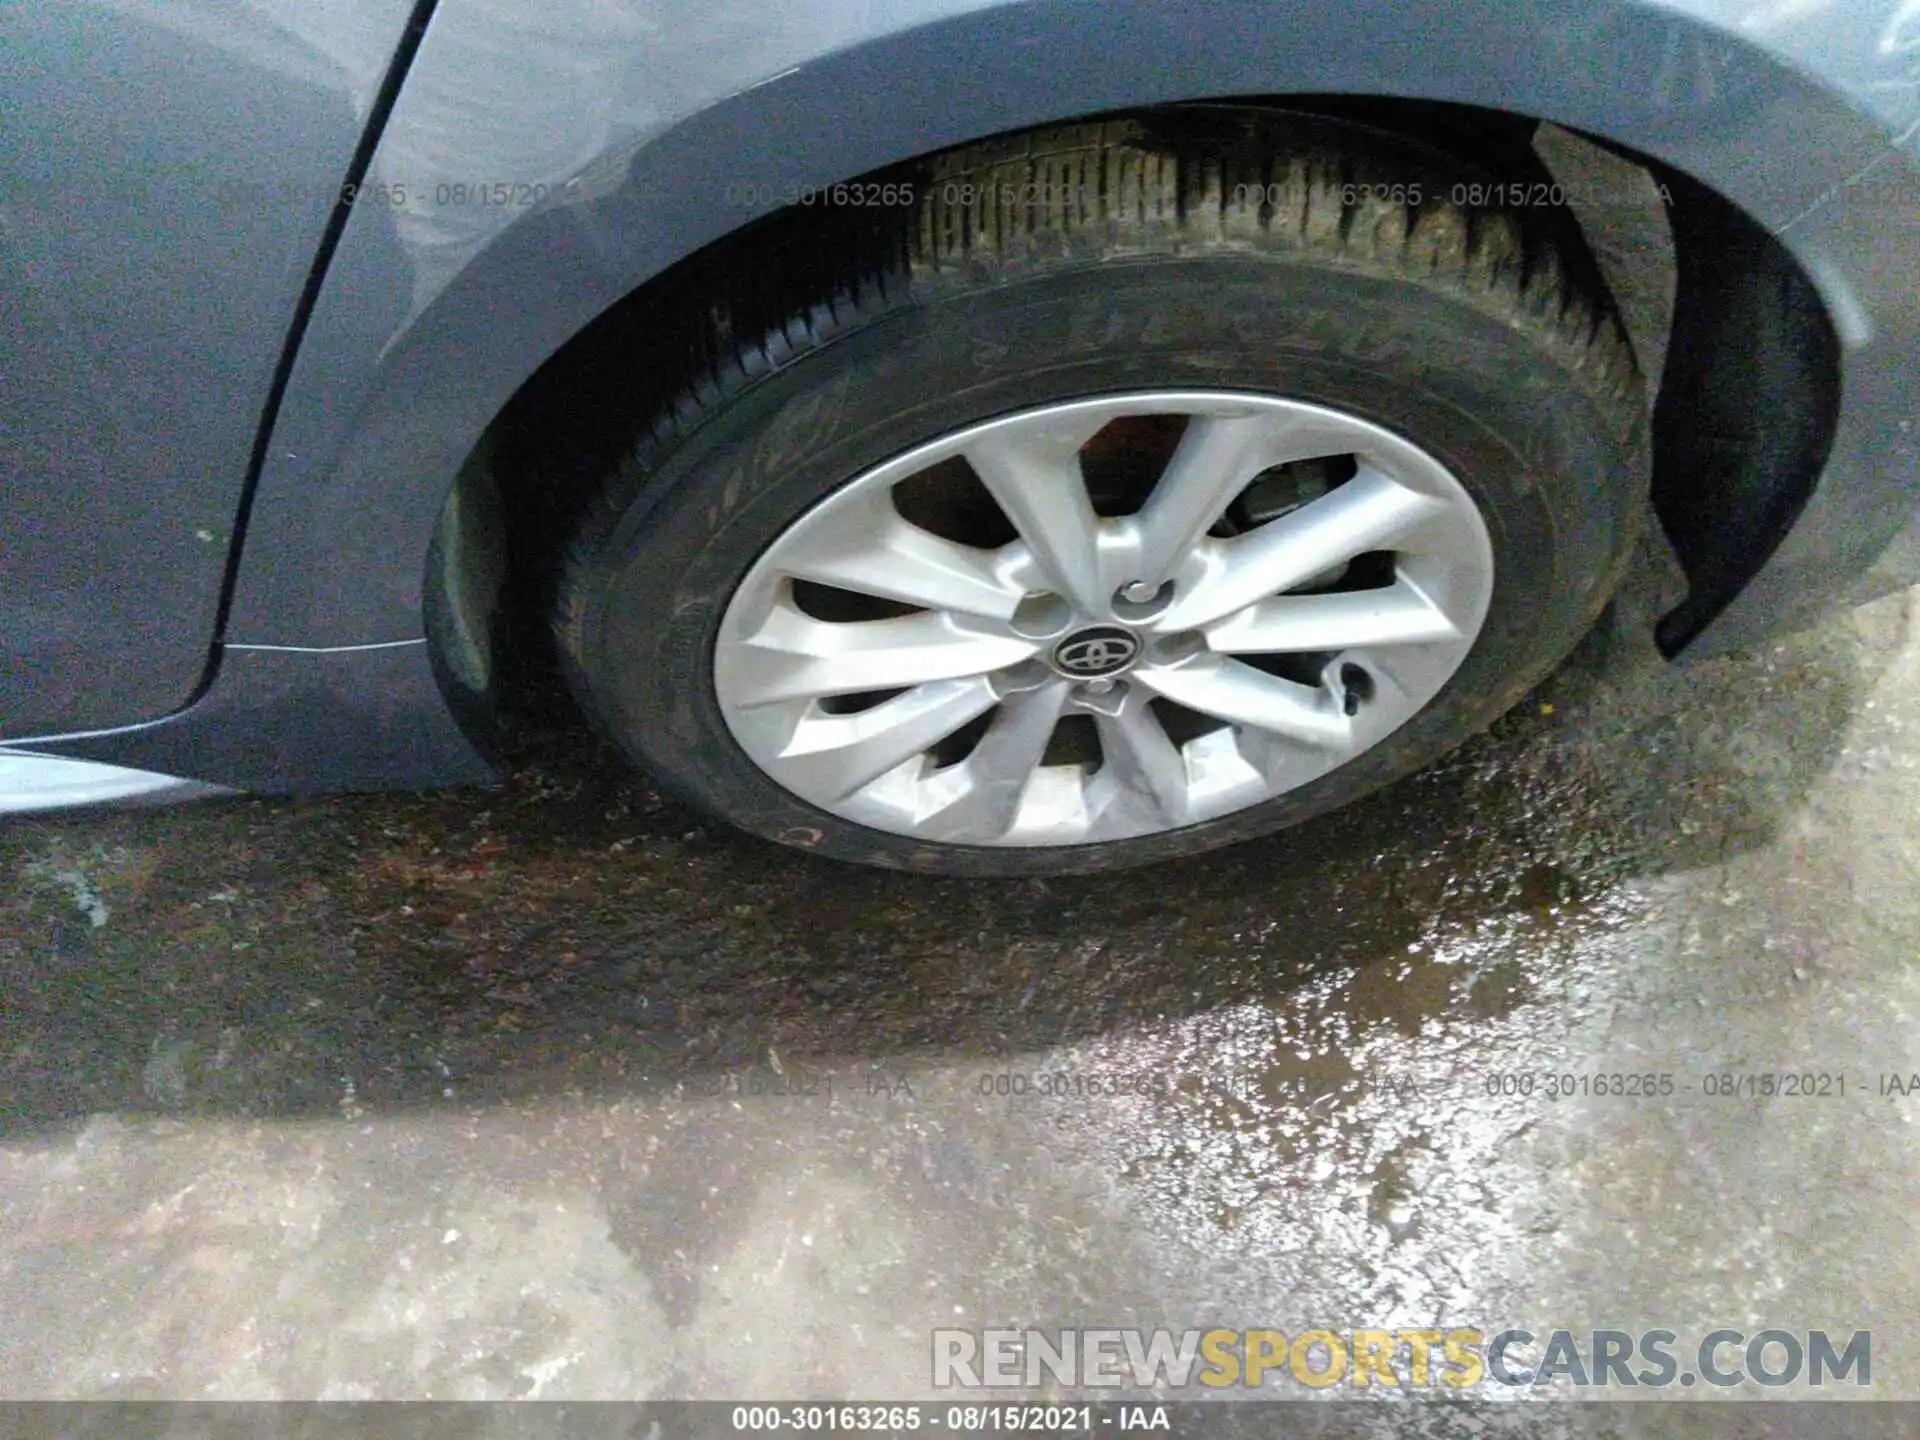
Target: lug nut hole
1136, 602
1041, 615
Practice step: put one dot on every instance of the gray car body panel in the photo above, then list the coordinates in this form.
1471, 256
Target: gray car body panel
633, 130
166, 173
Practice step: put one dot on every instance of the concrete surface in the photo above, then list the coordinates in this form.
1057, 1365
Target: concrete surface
477, 1094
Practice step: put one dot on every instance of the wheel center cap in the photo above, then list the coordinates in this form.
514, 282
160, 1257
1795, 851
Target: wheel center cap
1095, 652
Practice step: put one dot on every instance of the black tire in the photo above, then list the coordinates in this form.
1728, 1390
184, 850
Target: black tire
1224, 249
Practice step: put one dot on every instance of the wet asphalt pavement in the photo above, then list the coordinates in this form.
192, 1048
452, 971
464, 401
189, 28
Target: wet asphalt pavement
554, 1091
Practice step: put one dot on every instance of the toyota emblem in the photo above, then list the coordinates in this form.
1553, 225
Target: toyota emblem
1090, 654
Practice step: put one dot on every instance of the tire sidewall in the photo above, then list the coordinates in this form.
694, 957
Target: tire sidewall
1557, 483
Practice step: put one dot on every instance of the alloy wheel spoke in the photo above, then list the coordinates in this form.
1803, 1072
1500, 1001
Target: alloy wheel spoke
796, 657
1002, 765
1230, 690
1400, 614
1364, 514
836, 755
1147, 763
1216, 458
1035, 477
872, 550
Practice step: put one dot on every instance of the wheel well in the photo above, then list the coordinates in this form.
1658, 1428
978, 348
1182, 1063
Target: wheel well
1742, 359
1742, 362
1747, 411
